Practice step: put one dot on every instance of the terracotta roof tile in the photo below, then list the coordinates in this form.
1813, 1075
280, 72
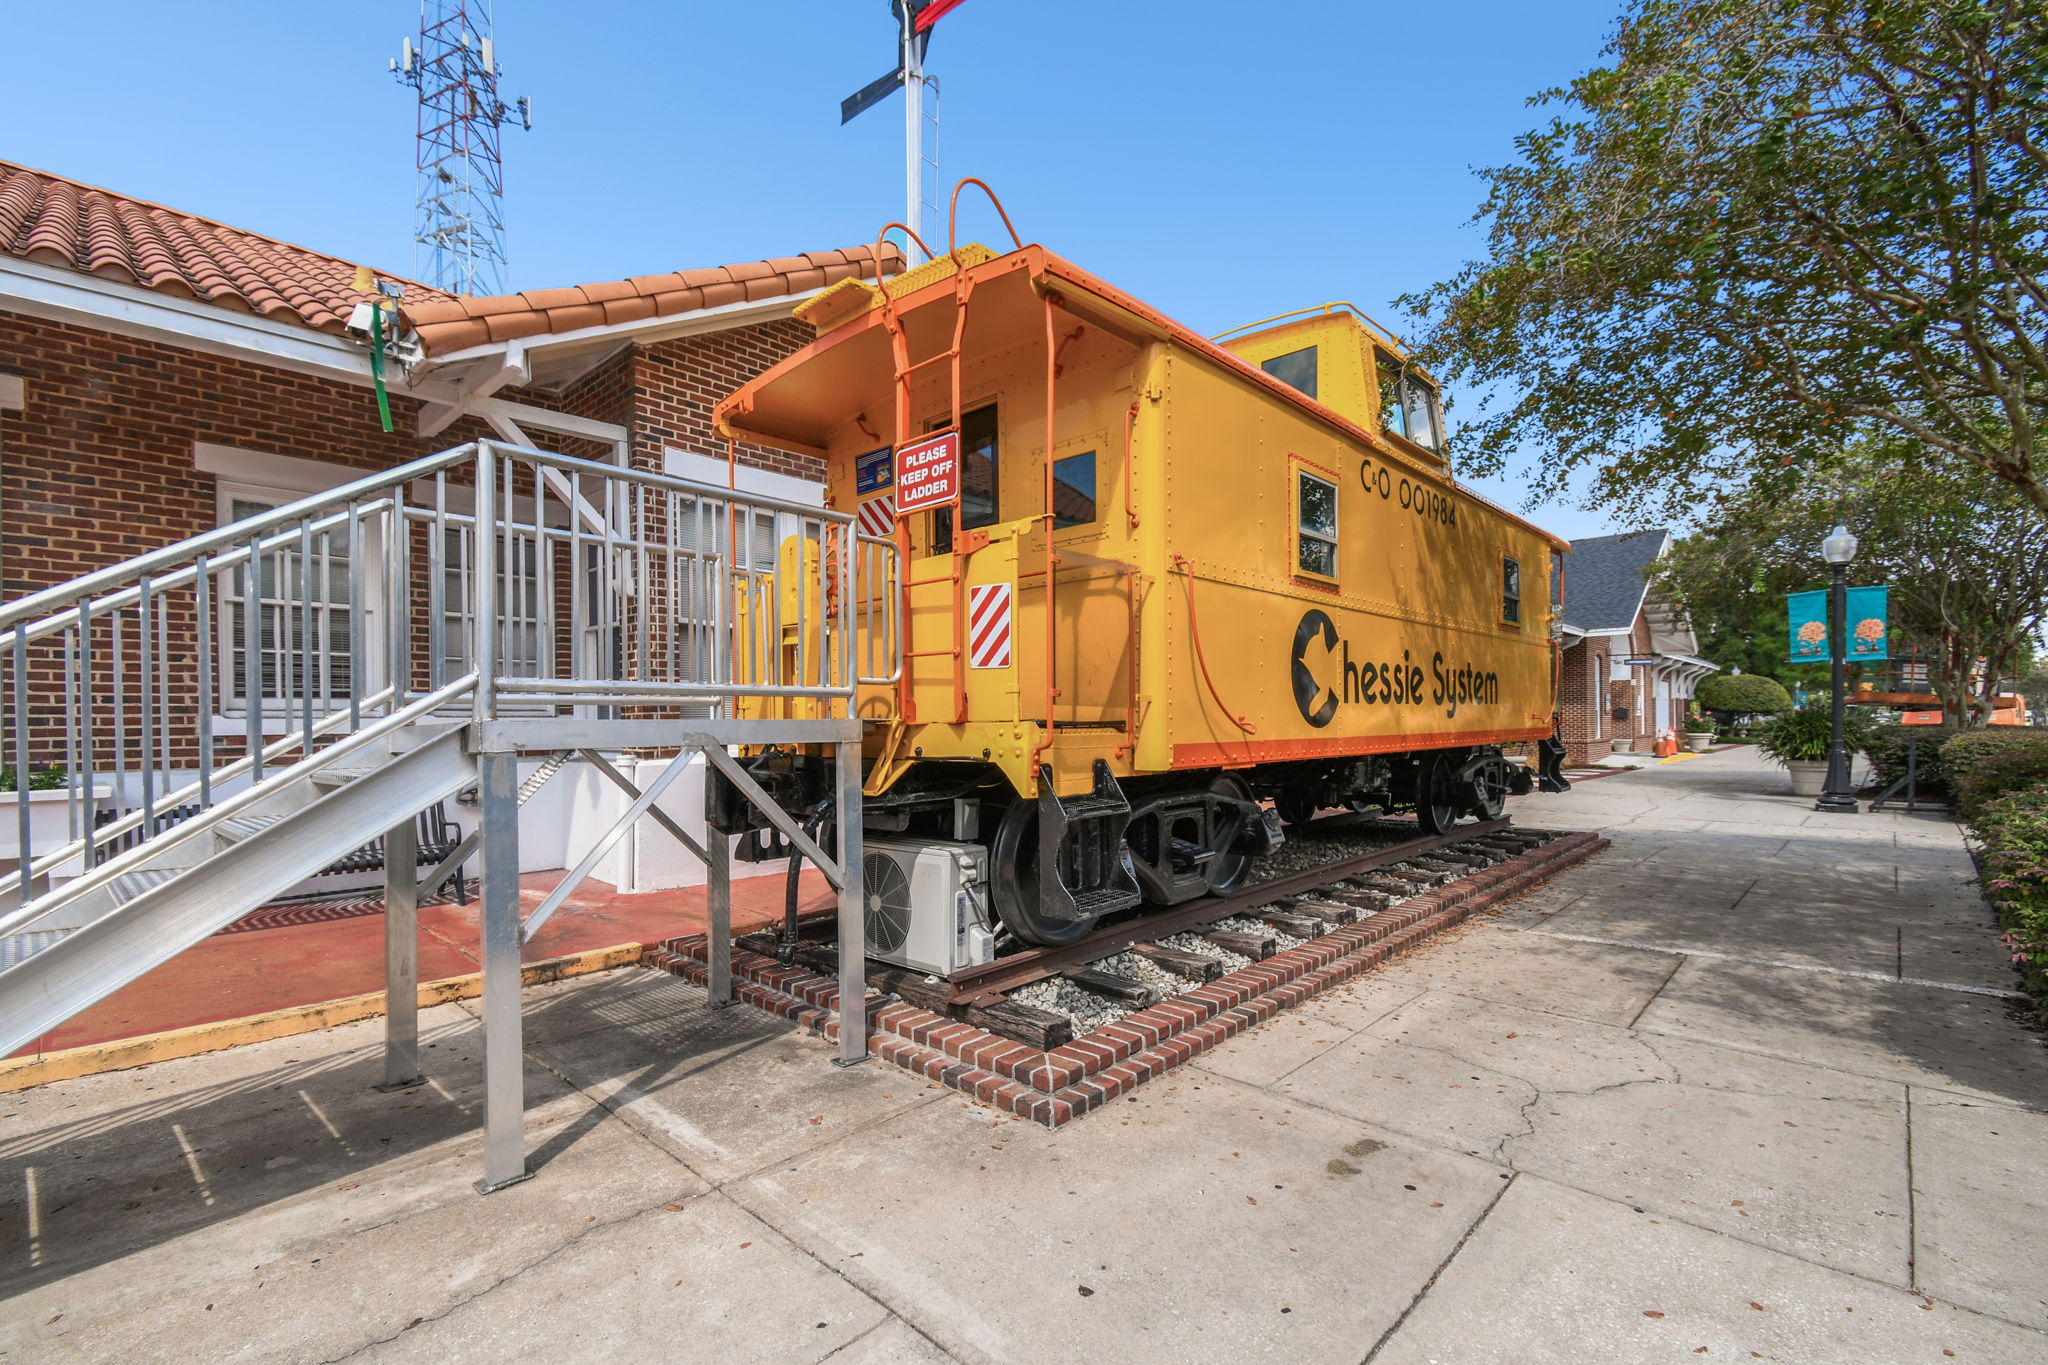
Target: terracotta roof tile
47, 218
60, 222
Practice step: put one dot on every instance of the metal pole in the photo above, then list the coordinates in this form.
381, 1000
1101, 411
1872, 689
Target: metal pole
1837, 796
913, 133
401, 959
504, 1061
853, 934
718, 875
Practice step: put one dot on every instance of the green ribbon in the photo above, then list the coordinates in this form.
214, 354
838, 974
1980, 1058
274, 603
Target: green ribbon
377, 363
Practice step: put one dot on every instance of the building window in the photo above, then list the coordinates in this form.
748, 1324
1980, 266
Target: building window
1408, 405
1296, 368
1510, 590
1315, 525
1073, 490
1599, 698
302, 616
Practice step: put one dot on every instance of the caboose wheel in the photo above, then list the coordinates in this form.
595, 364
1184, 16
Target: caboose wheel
1227, 870
1436, 797
1294, 807
1015, 882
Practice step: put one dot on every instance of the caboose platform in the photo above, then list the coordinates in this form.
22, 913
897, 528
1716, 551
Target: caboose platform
1347, 917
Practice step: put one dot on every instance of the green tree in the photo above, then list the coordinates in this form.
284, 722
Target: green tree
1965, 557
1762, 226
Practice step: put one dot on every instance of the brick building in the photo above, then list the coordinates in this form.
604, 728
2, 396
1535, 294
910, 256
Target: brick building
162, 374
1629, 662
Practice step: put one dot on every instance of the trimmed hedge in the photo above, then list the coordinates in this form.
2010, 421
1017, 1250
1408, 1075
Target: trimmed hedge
1984, 765
1743, 693
2014, 830
1886, 747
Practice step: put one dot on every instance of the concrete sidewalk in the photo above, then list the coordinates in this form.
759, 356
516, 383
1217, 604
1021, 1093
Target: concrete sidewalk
1744, 1087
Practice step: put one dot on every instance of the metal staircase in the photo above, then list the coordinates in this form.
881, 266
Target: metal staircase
312, 677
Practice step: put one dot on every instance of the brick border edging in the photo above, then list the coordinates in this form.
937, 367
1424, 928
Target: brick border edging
1056, 1087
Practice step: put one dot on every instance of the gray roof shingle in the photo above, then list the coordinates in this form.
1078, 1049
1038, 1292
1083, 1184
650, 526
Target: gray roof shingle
1605, 578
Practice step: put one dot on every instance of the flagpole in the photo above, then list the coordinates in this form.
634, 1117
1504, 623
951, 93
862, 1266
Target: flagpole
913, 131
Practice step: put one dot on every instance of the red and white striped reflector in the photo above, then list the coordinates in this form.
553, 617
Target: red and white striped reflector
988, 626
877, 516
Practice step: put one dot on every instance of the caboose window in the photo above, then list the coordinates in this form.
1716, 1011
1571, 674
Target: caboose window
1408, 404
1073, 490
1315, 541
1510, 589
981, 480
1297, 368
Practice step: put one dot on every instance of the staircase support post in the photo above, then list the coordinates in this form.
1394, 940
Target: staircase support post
401, 959
718, 907
504, 1054
853, 933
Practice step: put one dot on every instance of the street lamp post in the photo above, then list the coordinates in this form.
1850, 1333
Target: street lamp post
1838, 550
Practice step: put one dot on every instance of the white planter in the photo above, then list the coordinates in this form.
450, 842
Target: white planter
1699, 741
49, 820
1809, 776
1621, 746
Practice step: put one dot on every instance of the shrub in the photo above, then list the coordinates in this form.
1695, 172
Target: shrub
1808, 732
39, 779
1743, 693
2014, 831
1886, 745
1984, 765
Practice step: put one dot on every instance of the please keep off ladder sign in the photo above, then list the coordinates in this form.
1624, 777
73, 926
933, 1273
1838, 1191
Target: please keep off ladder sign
928, 473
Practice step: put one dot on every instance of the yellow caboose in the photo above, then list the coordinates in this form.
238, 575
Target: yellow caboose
1152, 582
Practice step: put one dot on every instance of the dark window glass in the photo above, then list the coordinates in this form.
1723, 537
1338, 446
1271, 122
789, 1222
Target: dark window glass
1297, 368
1510, 589
1073, 490
981, 479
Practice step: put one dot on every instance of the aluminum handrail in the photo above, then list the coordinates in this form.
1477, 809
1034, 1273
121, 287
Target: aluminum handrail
561, 585
175, 555
228, 808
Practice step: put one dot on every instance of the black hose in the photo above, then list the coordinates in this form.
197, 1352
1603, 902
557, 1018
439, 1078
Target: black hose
813, 822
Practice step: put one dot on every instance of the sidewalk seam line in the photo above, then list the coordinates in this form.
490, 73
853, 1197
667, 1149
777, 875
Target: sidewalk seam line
1442, 1266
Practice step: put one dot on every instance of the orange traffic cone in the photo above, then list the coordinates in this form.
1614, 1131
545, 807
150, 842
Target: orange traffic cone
1667, 744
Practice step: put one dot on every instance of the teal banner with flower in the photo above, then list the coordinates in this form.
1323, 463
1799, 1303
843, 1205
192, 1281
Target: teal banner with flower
1808, 613
1869, 630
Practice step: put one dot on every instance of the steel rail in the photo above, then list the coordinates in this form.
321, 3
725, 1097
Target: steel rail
989, 982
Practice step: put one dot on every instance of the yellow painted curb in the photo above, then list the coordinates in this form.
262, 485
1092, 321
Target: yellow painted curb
20, 1073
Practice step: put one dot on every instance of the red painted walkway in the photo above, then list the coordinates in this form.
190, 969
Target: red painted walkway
338, 951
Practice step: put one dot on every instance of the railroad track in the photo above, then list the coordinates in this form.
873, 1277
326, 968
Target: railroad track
1261, 919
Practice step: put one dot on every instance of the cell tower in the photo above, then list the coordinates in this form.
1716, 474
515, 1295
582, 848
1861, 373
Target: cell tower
459, 220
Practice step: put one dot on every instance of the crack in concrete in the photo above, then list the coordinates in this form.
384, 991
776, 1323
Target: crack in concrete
501, 1281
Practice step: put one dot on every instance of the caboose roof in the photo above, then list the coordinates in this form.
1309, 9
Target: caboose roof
796, 404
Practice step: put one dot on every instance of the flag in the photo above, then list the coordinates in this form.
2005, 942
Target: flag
1868, 632
1807, 614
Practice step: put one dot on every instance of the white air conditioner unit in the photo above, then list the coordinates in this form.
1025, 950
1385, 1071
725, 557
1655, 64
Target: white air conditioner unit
927, 904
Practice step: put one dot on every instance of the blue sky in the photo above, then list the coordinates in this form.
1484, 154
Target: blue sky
1222, 161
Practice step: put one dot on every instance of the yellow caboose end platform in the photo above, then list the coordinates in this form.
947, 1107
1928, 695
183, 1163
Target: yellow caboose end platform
1175, 578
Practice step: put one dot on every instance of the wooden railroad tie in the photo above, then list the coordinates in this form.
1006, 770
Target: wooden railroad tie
1195, 966
1257, 947
1300, 926
1130, 990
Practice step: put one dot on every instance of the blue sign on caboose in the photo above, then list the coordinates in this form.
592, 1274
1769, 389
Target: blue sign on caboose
873, 471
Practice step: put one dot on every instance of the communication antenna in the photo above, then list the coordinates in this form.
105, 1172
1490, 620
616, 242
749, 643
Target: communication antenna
459, 216
914, 21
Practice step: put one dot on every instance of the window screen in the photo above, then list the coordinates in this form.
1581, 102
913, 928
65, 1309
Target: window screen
1297, 368
1073, 490
1315, 525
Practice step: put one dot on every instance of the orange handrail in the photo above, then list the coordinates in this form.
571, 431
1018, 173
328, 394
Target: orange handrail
1186, 567
953, 217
